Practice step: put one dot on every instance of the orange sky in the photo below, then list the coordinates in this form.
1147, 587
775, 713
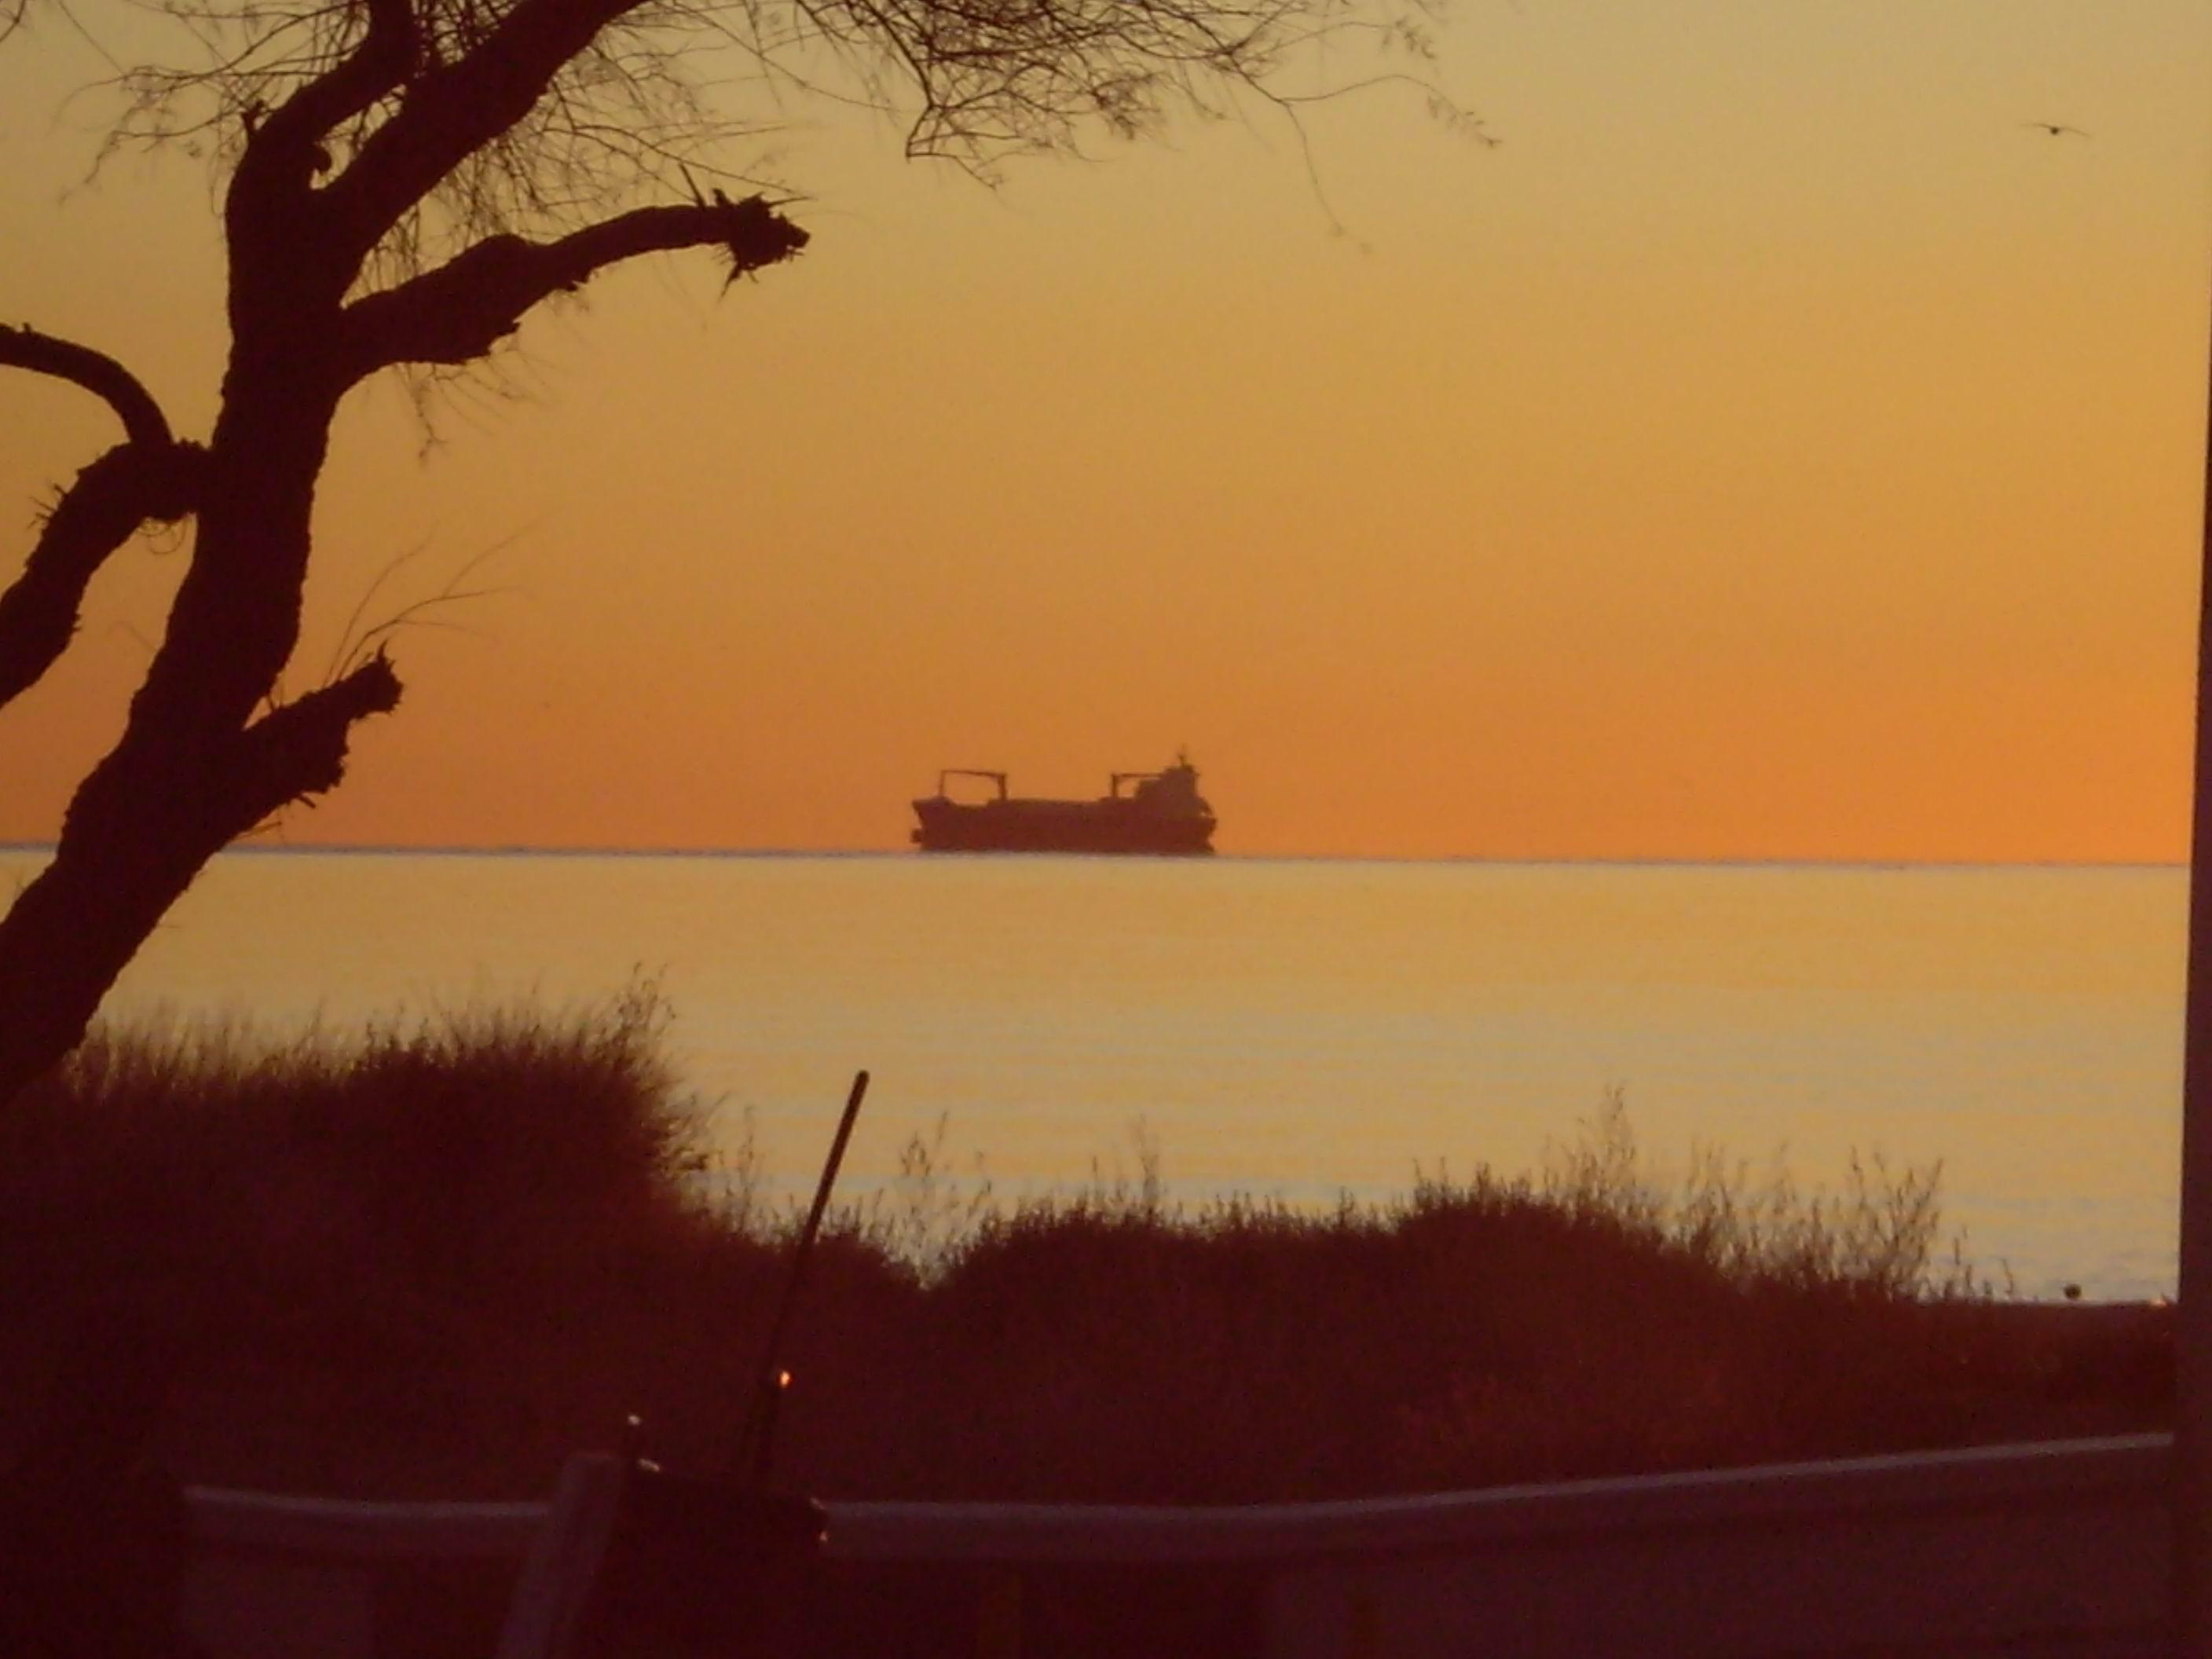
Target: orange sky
1774, 448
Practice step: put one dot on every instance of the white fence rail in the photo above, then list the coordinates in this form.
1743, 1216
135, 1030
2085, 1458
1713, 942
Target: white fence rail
2060, 1548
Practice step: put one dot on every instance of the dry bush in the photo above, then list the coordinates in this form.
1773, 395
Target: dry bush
433, 1259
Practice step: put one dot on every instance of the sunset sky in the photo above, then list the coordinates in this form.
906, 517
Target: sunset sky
1775, 446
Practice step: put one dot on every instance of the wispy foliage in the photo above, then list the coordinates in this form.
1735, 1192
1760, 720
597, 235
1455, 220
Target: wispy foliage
1878, 1233
663, 94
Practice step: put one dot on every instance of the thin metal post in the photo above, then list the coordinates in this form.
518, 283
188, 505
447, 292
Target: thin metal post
757, 1437
2192, 1495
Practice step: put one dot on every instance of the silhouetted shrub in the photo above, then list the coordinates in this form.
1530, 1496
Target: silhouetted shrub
434, 1259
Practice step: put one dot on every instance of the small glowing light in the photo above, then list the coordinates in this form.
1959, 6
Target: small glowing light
783, 1379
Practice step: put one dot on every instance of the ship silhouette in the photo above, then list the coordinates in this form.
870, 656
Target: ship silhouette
1150, 813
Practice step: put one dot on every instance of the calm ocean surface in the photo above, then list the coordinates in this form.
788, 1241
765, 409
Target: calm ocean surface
1306, 1028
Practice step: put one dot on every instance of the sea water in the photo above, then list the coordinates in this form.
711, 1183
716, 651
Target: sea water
1308, 1029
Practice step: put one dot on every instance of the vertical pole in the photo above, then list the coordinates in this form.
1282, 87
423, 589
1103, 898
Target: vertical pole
757, 1435
2192, 1492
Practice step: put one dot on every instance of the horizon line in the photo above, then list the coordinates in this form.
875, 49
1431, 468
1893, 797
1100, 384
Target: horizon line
459, 849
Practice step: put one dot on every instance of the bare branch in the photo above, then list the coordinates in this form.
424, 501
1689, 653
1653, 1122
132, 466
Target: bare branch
298, 750
460, 108
459, 311
444, 121
287, 149
149, 476
390, 51
25, 347
130, 485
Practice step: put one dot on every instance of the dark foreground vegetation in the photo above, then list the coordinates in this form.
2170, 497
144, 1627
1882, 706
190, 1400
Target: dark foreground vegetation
430, 1261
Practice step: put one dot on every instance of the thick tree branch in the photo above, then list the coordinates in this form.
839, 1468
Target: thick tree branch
151, 476
25, 346
290, 146
131, 484
388, 52
450, 114
459, 311
298, 750
141, 828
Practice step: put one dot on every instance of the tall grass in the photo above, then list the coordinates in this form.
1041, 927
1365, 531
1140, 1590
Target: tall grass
432, 1259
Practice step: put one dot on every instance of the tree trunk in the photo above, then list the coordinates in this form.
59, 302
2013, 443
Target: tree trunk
206, 754
195, 768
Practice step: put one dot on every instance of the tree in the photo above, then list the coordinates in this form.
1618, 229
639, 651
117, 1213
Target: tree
403, 181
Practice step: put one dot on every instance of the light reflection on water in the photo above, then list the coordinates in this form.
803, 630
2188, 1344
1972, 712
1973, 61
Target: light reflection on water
1307, 1028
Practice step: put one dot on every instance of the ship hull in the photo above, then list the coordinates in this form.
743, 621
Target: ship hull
1109, 826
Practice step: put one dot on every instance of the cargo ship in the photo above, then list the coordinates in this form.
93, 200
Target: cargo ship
1154, 812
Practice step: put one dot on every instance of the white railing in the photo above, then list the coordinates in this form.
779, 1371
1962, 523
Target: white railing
276, 1577
2059, 1549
